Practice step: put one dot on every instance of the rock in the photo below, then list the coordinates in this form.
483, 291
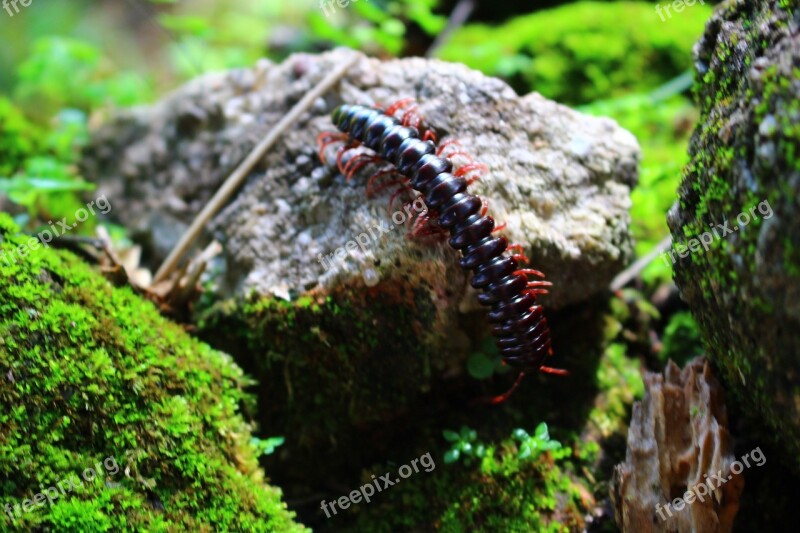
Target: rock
678, 437
740, 192
92, 377
560, 179
356, 342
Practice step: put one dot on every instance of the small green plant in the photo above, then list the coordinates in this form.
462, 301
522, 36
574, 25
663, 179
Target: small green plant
681, 339
532, 446
485, 362
464, 445
266, 446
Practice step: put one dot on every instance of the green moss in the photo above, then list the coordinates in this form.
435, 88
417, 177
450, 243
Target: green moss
619, 381
502, 492
335, 360
743, 153
585, 51
18, 138
88, 373
681, 340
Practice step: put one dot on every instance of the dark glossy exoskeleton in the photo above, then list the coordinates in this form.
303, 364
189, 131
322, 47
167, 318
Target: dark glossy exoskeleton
519, 325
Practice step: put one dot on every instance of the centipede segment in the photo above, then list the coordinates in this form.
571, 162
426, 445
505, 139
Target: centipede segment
518, 322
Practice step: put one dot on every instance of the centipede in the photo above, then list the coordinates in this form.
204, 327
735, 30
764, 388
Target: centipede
411, 158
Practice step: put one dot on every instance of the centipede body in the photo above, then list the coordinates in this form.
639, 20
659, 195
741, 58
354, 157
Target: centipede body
518, 322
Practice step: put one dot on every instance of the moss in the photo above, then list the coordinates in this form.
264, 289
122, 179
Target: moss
584, 51
89, 373
619, 382
743, 156
18, 138
682, 340
500, 493
331, 362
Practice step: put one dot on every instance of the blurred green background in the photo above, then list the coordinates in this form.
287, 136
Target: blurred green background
65, 65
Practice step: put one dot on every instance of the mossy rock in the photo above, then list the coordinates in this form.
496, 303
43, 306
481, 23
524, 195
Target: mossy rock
583, 51
502, 491
740, 193
332, 365
90, 374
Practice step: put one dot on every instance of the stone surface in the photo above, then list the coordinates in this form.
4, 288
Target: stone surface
678, 438
365, 342
560, 179
745, 174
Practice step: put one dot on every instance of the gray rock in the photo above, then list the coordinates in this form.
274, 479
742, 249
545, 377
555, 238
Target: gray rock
559, 179
745, 171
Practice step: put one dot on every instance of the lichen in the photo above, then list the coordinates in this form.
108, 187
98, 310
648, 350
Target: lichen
91, 372
742, 290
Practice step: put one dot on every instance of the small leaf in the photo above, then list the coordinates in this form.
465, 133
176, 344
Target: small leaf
520, 434
451, 456
524, 451
479, 366
480, 450
466, 447
550, 445
450, 436
541, 432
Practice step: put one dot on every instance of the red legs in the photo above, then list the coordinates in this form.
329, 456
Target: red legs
423, 223
358, 162
477, 169
544, 369
396, 181
424, 227
446, 144
534, 287
530, 271
400, 104
404, 188
327, 138
520, 257
430, 136
503, 397
340, 154
465, 155
386, 172
484, 207
554, 371
411, 117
